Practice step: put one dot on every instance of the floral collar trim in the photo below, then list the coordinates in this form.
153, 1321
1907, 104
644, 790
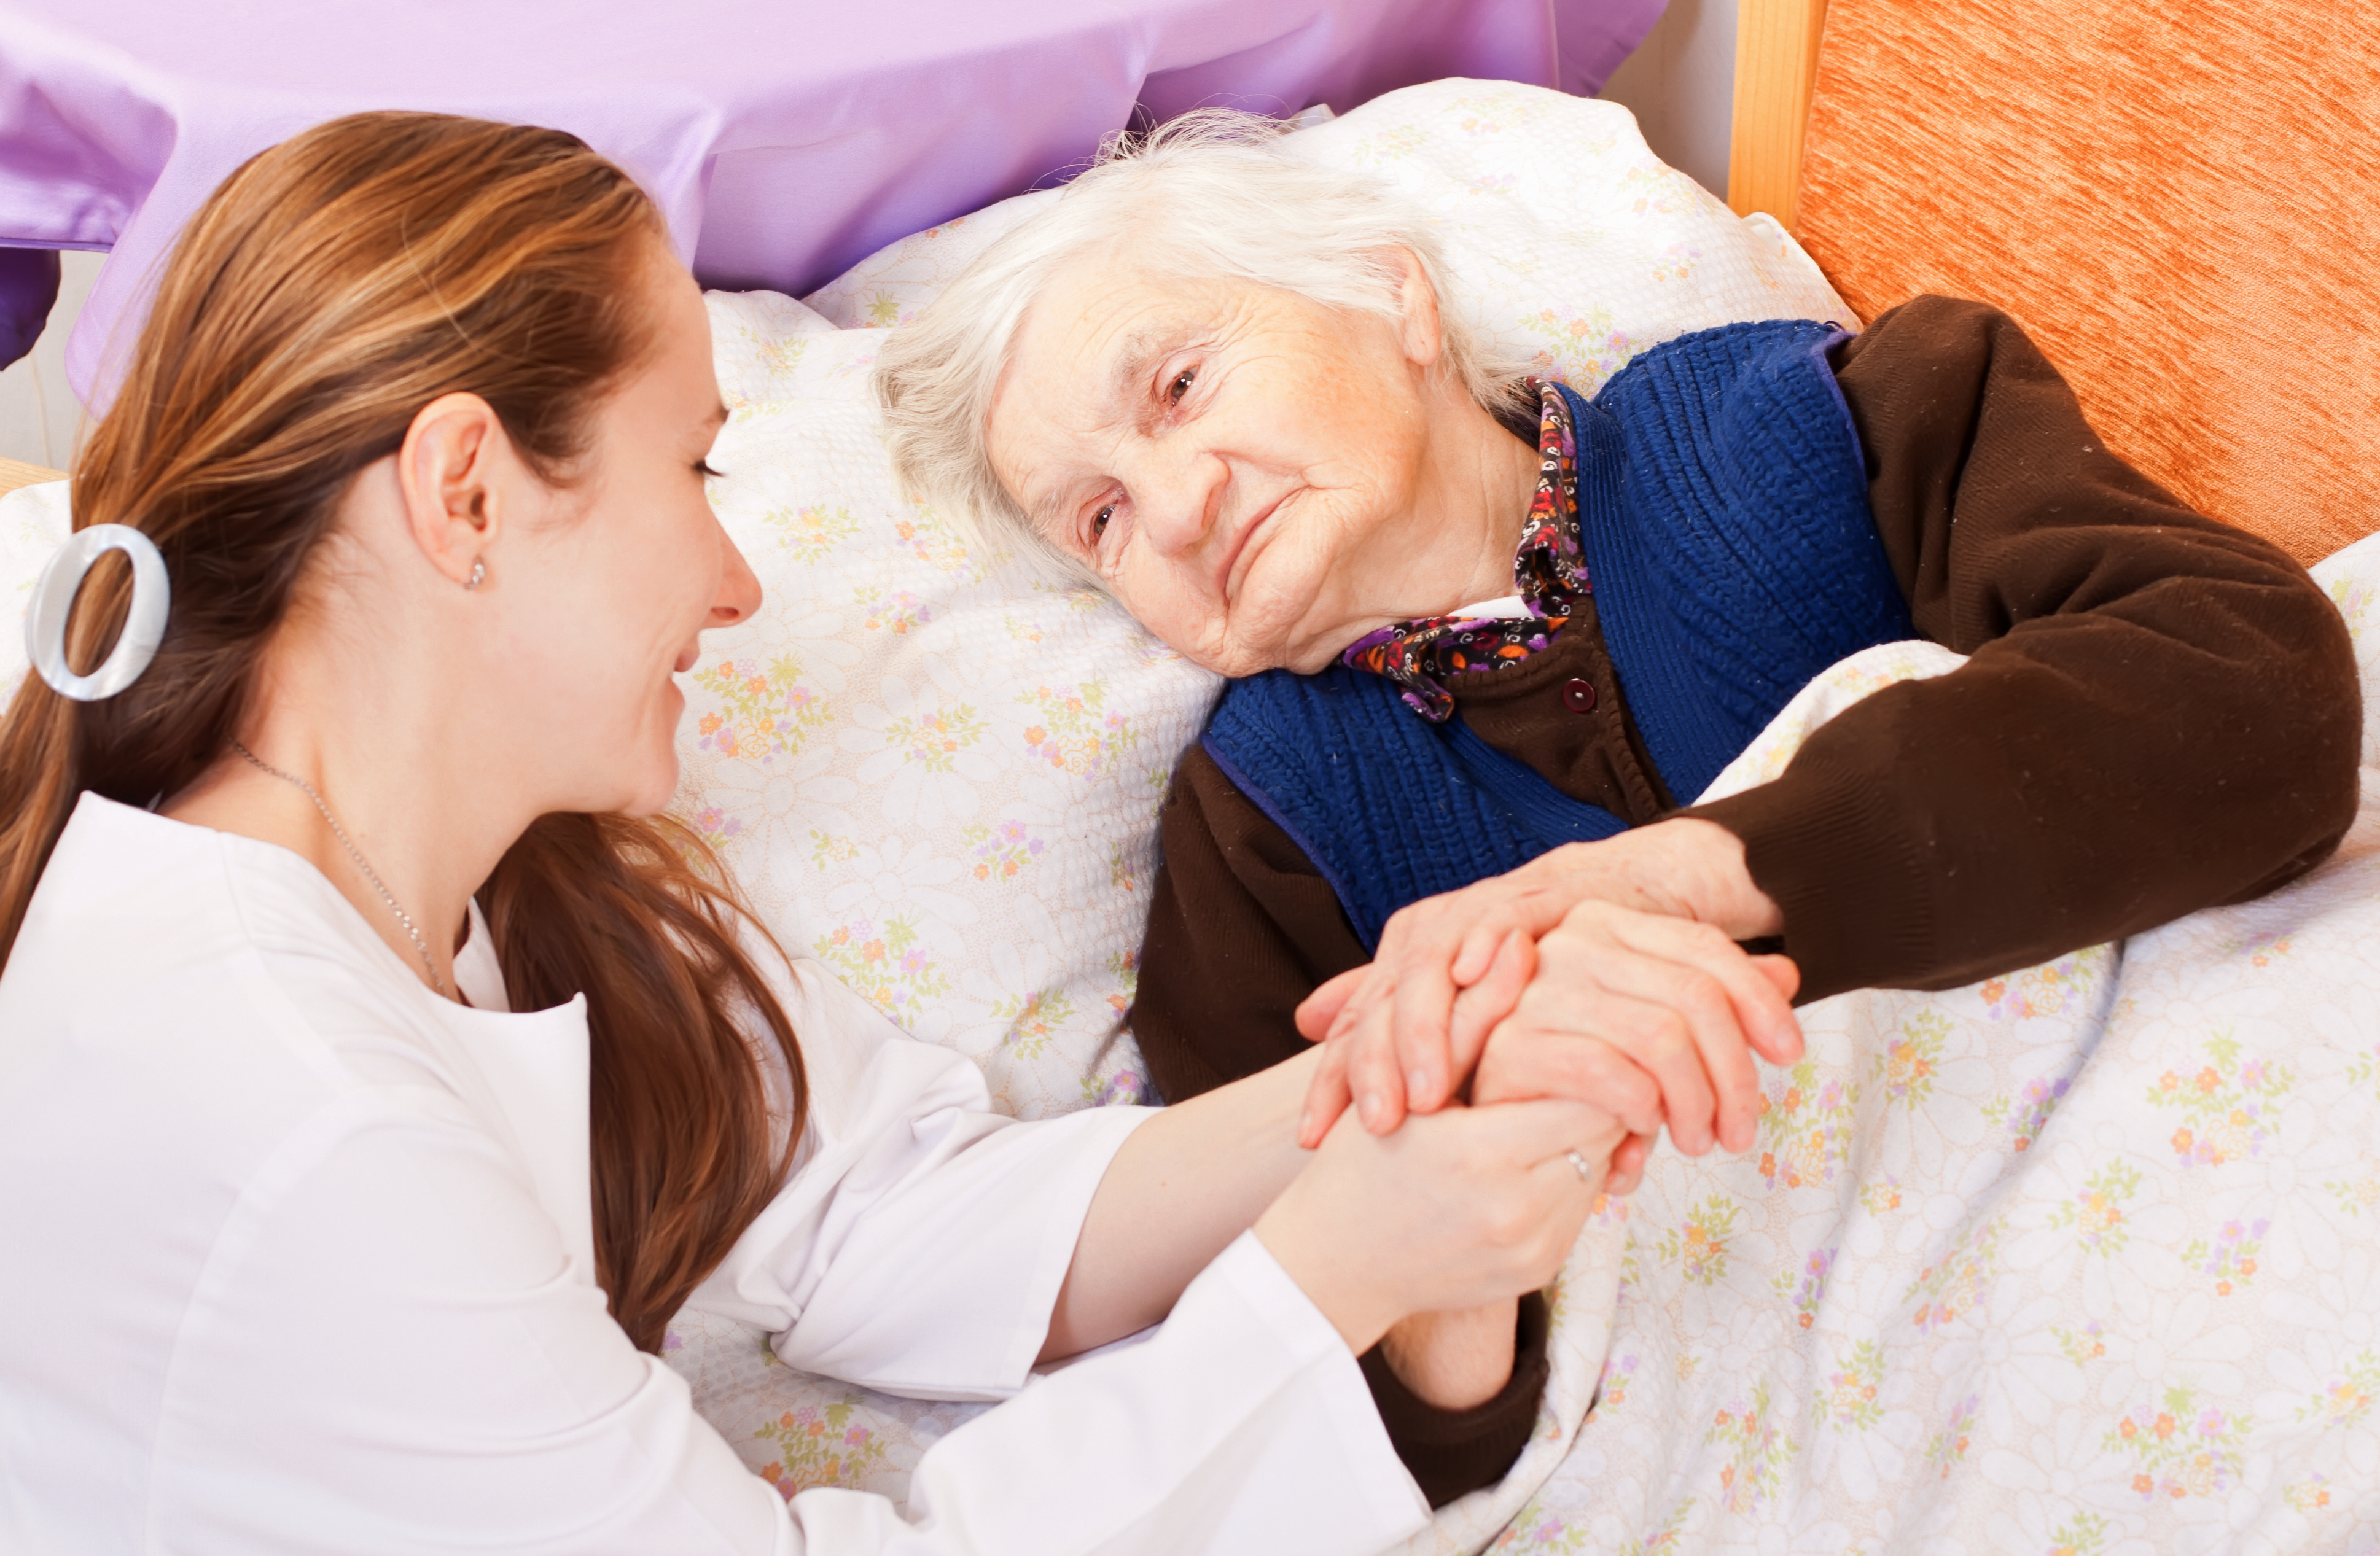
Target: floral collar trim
1549, 574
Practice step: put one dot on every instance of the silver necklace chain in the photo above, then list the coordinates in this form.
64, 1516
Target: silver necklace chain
412, 931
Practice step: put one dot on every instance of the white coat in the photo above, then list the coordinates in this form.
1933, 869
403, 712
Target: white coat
297, 1257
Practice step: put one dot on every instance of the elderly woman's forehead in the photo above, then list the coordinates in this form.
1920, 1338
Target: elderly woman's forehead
1079, 352
1096, 308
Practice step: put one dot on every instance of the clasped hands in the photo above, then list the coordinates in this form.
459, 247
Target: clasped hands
1607, 974
1592, 996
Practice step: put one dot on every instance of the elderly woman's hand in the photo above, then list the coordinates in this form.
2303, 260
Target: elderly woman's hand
1629, 943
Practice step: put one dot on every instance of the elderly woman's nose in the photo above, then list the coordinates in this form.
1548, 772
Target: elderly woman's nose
1179, 500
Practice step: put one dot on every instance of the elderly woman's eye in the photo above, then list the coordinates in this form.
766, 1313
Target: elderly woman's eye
1099, 522
1181, 385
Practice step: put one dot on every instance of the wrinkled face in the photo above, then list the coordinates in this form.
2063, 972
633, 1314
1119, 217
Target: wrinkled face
1243, 470
614, 585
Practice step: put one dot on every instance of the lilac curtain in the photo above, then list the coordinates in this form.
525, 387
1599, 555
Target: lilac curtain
784, 141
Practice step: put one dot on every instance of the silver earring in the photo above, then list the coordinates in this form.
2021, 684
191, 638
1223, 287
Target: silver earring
479, 573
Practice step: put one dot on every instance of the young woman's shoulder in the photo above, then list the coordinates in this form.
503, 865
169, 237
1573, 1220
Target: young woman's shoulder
250, 1169
192, 1024
207, 974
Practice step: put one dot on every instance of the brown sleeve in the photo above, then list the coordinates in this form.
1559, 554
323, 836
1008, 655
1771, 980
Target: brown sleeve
1243, 928
2160, 713
1454, 1453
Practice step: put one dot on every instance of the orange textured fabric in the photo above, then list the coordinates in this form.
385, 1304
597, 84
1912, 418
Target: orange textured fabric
2178, 199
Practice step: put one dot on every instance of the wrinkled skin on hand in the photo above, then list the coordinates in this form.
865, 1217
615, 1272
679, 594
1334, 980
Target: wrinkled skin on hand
1607, 973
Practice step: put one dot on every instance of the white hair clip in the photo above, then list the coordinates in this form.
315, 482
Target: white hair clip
54, 597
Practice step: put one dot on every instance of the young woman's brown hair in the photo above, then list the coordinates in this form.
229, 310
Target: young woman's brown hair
332, 287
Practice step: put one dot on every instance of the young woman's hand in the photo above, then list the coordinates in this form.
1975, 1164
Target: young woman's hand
1460, 1209
1647, 922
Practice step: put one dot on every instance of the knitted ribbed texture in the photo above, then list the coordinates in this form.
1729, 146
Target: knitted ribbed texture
1723, 511
1389, 806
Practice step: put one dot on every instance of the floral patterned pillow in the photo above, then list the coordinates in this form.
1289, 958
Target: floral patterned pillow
928, 768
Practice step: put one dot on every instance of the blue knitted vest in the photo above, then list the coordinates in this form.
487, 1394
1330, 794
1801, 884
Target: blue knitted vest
1723, 512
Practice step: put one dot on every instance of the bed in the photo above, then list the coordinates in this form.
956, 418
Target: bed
14, 473
2079, 1258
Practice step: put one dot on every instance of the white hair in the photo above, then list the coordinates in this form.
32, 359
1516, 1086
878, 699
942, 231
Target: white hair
1212, 195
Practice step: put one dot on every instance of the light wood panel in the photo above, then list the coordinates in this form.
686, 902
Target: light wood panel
1775, 63
14, 474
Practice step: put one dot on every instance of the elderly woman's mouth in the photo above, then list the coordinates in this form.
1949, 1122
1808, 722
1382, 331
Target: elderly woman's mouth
1229, 572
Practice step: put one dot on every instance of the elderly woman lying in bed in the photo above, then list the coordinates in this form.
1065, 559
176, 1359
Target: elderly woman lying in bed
1490, 637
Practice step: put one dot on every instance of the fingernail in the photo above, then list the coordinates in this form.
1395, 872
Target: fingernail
1367, 1108
1417, 1082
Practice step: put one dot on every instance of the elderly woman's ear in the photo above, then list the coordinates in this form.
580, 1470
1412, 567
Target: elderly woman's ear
1422, 333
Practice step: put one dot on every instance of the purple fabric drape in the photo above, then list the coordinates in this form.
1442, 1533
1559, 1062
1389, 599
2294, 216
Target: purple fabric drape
784, 141
28, 286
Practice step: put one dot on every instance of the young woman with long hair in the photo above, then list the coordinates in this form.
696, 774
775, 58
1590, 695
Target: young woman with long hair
380, 1067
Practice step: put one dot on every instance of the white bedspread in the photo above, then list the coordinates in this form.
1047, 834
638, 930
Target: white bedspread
2076, 1260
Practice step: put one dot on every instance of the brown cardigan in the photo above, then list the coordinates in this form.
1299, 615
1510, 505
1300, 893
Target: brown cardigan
2161, 713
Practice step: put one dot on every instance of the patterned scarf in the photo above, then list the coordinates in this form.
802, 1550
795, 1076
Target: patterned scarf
1549, 574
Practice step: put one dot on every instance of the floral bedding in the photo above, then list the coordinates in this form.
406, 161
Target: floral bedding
2076, 1260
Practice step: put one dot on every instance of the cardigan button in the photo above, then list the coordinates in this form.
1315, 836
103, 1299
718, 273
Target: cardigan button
1578, 695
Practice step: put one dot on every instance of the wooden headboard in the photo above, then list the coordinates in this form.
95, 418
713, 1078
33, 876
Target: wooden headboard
1776, 65
14, 474
2175, 196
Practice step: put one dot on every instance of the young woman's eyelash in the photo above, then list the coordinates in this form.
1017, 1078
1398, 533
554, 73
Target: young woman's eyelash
702, 467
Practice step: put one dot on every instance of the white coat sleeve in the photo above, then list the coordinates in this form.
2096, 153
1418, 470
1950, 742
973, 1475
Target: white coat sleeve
392, 1352
920, 1243
1242, 1425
